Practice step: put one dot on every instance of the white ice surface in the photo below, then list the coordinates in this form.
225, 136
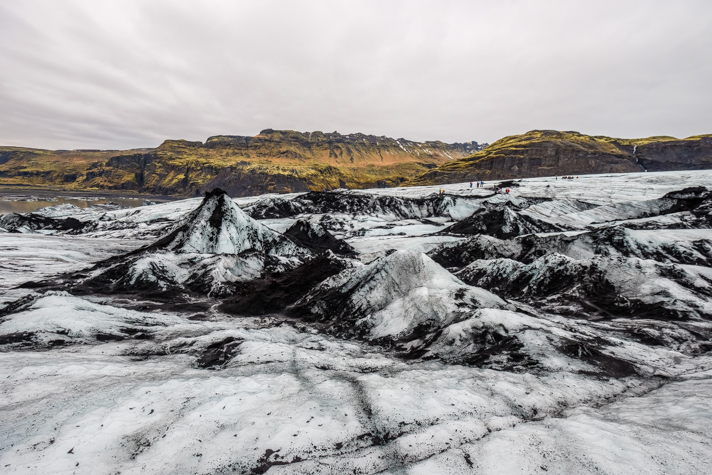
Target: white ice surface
598, 189
334, 406
33, 257
666, 431
371, 247
105, 408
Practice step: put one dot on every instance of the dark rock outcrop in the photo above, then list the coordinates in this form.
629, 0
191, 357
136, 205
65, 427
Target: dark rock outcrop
274, 292
359, 203
501, 220
316, 238
31, 222
686, 154
542, 153
214, 247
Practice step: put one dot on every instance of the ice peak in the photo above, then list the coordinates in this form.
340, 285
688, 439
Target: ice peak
391, 297
215, 192
219, 226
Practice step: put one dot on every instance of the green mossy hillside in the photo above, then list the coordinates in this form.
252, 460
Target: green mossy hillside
272, 161
551, 153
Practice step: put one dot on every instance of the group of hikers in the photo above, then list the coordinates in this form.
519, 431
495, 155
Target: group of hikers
480, 184
497, 189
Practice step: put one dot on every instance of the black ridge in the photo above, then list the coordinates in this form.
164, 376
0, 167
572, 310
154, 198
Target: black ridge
317, 239
502, 221
275, 292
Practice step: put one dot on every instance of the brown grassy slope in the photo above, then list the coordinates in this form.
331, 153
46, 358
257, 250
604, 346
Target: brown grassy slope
273, 161
34, 166
550, 153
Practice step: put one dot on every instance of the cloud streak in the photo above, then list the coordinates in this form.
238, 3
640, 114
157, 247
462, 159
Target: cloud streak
122, 74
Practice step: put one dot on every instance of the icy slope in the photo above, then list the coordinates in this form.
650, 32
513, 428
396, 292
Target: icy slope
314, 237
663, 432
577, 340
684, 246
395, 297
183, 395
218, 226
391, 208
274, 292
59, 319
213, 247
502, 220
600, 287
27, 259
32, 222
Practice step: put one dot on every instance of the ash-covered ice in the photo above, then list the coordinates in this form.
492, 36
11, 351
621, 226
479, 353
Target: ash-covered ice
564, 327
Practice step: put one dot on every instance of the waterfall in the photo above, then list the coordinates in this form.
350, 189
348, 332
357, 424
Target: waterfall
635, 147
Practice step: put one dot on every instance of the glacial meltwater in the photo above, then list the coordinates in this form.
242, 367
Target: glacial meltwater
29, 201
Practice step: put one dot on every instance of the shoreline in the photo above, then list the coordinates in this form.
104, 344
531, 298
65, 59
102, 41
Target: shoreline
13, 190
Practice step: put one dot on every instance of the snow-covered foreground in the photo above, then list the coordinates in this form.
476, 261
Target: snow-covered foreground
563, 328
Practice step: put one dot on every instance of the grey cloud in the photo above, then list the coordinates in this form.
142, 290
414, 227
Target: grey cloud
121, 74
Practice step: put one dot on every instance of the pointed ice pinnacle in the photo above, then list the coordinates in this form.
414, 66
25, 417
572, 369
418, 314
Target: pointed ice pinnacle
212, 248
218, 226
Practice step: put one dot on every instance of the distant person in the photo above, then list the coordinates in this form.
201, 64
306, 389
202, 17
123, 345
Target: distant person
470, 184
507, 190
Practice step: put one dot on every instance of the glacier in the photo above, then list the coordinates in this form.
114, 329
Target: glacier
564, 327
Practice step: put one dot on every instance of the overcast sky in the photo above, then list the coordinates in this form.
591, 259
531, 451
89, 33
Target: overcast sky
126, 74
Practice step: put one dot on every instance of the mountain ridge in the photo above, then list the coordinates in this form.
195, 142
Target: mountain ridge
551, 153
274, 161
283, 161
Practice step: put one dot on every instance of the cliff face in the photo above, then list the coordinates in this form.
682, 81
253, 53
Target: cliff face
271, 162
694, 153
286, 161
550, 153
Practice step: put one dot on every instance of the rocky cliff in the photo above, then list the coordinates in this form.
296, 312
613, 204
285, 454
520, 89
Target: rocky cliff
282, 161
273, 161
551, 153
